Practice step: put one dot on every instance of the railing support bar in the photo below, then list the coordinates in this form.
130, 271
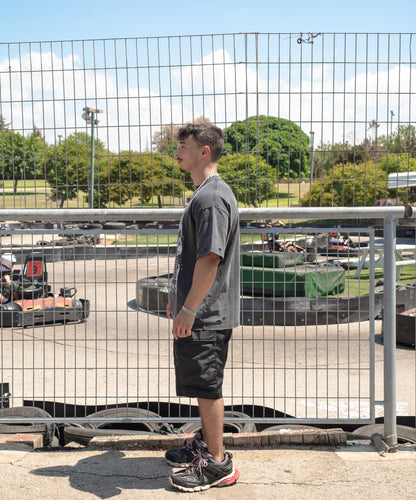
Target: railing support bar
389, 331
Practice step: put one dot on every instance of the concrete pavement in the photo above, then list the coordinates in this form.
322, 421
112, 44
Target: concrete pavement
287, 472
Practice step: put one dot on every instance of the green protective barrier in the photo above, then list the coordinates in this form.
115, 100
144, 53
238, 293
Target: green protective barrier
304, 281
272, 260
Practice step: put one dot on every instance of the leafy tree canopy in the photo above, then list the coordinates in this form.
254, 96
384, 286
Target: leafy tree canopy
281, 143
249, 177
68, 166
22, 157
401, 141
143, 175
360, 184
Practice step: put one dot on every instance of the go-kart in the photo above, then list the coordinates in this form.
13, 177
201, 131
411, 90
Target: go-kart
31, 301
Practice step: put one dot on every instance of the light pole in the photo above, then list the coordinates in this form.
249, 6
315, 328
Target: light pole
89, 116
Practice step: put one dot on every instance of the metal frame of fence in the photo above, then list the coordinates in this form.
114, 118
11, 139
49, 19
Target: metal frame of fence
310, 119
104, 274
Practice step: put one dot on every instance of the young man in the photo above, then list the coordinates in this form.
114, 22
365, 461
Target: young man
204, 305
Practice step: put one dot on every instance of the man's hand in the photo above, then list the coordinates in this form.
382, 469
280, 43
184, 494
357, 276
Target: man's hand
204, 276
182, 325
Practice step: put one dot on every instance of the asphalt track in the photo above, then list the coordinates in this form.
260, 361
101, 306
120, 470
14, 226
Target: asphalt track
121, 354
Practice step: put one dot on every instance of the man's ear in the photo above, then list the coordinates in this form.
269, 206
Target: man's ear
205, 151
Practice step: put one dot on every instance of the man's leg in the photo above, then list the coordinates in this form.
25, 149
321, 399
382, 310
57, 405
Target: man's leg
212, 417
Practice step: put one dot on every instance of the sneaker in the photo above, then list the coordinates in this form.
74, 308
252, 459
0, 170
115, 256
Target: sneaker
204, 472
182, 457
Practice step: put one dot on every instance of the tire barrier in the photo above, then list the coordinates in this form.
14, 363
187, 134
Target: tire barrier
405, 434
126, 413
152, 295
290, 427
26, 412
81, 435
235, 426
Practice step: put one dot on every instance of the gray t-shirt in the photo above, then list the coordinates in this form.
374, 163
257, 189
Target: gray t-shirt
210, 223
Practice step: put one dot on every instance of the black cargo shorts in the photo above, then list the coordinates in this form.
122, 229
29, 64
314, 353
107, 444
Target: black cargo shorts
199, 363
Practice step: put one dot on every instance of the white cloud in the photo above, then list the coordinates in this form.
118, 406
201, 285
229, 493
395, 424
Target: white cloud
50, 91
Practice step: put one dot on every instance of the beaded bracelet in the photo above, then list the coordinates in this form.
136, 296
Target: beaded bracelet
192, 313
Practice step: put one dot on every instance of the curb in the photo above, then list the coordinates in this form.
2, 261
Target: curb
323, 437
33, 440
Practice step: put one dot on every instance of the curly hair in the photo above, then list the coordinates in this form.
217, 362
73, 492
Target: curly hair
204, 134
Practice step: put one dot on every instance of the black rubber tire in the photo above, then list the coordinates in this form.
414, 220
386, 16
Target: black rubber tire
83, 436
292, 427
62, 243
405, 434
26, 412
93, 226
235, 427
114, 225
124, 412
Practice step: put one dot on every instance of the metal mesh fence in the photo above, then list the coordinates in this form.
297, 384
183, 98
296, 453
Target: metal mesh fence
305, 349
315, 119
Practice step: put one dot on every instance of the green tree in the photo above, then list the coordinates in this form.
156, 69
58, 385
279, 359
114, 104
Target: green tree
145, 175
22, 158
401, 141
3, 124
281, 143
249, 177
348, 185
326, 156
68, 166
360, 184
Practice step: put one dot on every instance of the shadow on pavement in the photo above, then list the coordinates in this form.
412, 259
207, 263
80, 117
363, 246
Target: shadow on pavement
106, 475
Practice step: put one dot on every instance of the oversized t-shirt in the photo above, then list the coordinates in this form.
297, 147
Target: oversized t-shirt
210, 223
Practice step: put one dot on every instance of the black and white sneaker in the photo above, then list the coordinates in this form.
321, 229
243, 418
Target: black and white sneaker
182, 457
204, 472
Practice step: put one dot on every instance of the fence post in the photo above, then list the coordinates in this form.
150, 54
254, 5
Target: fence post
389, 331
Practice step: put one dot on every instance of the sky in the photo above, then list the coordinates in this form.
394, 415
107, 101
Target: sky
50, 20
343, 83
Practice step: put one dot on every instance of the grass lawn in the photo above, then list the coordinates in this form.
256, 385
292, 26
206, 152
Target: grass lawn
361, 286
167, 239
37, 194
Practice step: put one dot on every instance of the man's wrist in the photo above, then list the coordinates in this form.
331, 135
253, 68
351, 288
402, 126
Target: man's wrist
189, 311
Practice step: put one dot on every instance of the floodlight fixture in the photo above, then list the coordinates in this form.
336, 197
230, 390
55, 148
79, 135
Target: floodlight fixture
89, 115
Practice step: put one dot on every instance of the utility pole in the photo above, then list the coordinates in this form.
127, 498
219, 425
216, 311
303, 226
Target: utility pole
89, 115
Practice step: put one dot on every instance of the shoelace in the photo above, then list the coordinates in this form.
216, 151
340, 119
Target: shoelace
197, 464
196, 437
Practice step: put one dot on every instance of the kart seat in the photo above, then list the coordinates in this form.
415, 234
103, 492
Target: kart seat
34, 271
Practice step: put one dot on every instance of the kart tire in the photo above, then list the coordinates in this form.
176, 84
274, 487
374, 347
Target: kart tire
124, 412
63, 243
83, 436
291, 427
235, 427
93, 226
114, 225
405, 434
47, 430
